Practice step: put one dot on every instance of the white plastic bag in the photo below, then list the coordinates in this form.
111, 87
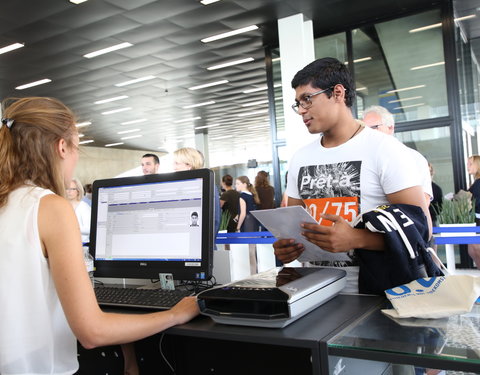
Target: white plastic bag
434, 297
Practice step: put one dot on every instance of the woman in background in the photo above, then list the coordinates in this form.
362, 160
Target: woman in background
229, 202
42, 261
188, 158
265, 191
82, 209
473, 167
248, 202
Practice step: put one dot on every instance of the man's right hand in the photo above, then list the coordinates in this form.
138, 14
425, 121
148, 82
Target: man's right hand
287, 250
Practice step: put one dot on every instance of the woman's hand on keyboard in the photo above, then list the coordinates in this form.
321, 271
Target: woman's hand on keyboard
185, 310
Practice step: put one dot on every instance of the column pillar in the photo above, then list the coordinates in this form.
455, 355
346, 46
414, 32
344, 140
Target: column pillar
295, 35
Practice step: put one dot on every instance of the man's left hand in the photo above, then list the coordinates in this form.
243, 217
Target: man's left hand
340, 237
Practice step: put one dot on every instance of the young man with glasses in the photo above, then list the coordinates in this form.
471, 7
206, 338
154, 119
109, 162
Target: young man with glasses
347, 171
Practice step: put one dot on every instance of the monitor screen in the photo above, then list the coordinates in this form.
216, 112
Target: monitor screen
146, 225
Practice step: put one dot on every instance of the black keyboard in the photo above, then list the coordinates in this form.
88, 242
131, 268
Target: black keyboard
157, 299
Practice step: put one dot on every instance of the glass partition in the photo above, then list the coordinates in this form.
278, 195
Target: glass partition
400, 65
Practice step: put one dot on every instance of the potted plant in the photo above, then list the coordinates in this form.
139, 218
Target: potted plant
224, 220
458, 211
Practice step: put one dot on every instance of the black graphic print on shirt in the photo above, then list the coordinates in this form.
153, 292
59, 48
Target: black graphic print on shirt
331, 188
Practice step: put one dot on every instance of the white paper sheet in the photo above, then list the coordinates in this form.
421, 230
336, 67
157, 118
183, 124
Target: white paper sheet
284, 222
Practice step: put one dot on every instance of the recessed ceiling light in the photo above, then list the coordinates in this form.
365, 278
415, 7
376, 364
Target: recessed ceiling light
128, 131
141, 79
114, 144
361, 88
410, 106
188, 119
85, 142
255, 103
107, 50
249, 91
85, 123
428, 65
208, 85
133, 121
11, 47
230, 33
80, 135
111, 99
206, 126
230, 63
406, 99
116, 110
199, 104
31, 84
131, 137
252, 113
276, 59
435, 25
406, 89
208, 2
77, 1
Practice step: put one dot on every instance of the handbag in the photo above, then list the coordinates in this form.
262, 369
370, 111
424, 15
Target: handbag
434, 297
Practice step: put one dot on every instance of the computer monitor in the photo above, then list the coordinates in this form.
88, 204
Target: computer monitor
146, 225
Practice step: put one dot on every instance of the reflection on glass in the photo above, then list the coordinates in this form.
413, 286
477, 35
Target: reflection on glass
387, 75
434, 145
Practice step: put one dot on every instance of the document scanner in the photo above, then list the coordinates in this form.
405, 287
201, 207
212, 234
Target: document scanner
273, 298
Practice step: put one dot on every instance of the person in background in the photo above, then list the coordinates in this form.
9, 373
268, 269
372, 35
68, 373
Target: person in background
473, 168
284, 202
437, 201
229, 202
150, 164
42, 262
379, 118
82, 210
248, 202
188, 158
88, 194
265, 191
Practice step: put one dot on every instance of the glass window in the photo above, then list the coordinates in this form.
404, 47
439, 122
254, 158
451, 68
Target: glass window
400, 65
331, 46
434, 145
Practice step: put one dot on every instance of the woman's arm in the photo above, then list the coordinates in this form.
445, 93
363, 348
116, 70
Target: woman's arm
242, 214
59, 234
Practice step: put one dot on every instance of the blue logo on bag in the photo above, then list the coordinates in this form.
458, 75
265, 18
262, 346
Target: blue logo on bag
403, 290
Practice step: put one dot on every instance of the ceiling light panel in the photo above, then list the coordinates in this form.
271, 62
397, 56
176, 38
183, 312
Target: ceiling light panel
111, 99
141, 79
208, 85
103, 51
32, 84
199, 104
114, 144
229, 34
11, 47
230, 63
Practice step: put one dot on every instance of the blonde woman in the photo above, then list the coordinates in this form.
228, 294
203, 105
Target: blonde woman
42, 259
473, 167
248, 202
187, 158
83, 211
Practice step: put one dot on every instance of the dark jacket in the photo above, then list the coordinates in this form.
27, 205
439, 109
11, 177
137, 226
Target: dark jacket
405, 258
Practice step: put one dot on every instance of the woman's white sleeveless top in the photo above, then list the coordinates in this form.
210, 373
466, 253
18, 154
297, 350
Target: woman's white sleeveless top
35, 337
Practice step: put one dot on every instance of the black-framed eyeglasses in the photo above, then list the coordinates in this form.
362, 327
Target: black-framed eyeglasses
306, 102
375, 127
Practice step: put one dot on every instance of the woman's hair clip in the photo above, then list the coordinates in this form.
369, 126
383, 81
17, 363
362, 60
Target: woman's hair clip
7, 121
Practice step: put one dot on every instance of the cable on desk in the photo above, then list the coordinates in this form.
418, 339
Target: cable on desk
163, 355
198, 286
